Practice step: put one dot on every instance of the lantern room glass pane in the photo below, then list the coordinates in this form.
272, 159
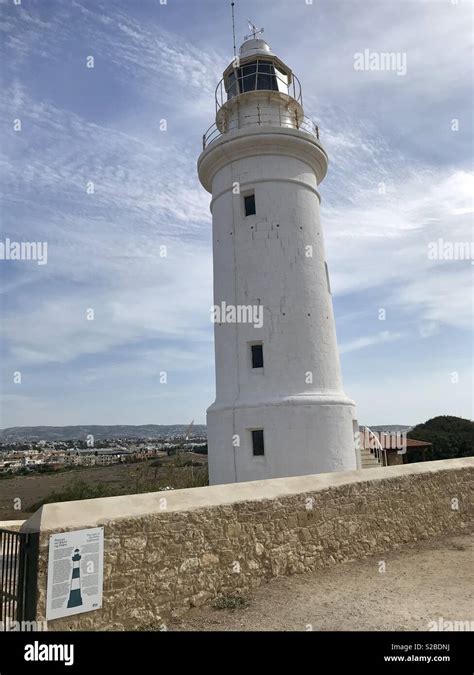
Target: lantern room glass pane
282, 80
265, 67
248, 77
267, 81
261, 74
231, 85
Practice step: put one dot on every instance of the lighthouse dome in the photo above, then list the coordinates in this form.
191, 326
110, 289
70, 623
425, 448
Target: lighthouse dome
255, 46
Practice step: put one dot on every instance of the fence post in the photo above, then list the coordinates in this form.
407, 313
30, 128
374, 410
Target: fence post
19, 576
31, 576
21, 567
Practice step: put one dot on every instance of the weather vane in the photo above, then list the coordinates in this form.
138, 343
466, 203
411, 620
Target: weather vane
254, 31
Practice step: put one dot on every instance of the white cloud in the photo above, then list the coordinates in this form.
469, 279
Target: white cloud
436, 37
163, 300
378, 234
393, 397
369, 341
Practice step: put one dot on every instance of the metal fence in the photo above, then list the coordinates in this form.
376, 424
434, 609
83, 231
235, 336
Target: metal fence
262, 116
18, 577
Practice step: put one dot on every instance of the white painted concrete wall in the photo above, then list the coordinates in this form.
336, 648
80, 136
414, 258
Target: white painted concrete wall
275, 259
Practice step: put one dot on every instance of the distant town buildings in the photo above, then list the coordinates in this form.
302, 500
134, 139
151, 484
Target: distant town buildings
47, 456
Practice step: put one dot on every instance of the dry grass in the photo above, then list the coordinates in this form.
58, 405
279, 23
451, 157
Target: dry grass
182, 471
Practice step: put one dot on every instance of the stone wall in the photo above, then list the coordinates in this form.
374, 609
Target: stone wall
166, 552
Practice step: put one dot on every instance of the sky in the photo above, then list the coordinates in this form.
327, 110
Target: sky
95, 173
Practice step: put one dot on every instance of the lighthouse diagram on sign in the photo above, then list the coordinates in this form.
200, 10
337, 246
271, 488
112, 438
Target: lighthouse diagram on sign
75, 597
78, 590
280, 407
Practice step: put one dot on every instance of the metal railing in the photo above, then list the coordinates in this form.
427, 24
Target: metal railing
18, 577
270, 116
379, 452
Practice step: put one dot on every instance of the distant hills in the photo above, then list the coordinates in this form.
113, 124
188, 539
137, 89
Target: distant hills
391, 428
99, 431
115, 431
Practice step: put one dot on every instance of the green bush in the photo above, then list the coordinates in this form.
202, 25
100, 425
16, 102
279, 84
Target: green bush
143, 480
451, 437
76, 491
200, 451
231, 602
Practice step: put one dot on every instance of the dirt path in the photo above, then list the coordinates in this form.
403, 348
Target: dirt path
421, 583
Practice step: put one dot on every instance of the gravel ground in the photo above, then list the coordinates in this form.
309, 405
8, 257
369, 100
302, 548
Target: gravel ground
422, 582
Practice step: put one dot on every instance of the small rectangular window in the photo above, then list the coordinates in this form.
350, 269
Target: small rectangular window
249, 204
327, 277
257, 356
258, 443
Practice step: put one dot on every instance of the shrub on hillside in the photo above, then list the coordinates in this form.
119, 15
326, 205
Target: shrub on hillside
75, 491
168, 477
451, 437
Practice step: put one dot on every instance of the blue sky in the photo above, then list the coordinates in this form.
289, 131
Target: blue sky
157, 61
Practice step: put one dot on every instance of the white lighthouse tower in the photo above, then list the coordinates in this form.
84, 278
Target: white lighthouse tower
280, 408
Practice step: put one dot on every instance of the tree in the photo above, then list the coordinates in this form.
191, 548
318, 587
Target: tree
450, 437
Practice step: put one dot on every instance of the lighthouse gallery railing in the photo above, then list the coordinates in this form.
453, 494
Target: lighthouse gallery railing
262, 116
